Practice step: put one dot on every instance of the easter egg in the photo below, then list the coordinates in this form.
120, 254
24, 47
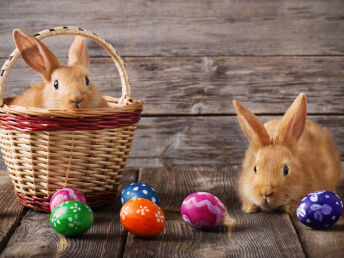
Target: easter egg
203, 210
139, 190
320, 209
142, 217
65, 194
71, 218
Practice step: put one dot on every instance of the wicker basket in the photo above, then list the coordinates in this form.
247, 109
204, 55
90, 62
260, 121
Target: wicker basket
46, 150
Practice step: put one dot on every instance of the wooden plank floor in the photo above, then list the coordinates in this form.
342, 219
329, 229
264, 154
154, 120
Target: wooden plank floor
269, 235
11, 211
243, 235
35, 237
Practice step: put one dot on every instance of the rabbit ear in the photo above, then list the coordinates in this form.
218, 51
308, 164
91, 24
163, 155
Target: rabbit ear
293, 122
78, 53
253, 129
35, 54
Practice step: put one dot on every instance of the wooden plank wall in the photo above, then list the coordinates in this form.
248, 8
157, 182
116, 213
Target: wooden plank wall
187, 60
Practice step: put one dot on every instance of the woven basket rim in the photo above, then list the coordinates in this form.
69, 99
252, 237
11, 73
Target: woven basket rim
115, 107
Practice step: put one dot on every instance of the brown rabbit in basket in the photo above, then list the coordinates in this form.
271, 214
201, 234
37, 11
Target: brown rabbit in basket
286, 160
64, 87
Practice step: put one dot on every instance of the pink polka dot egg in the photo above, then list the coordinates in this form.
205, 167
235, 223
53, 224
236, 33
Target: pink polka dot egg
64, 195
203, 210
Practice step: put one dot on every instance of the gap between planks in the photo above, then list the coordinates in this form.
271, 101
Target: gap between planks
232, 114
200, 56
137, 175
298, 235
10, 210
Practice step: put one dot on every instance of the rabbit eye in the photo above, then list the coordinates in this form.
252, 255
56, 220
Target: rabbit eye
285, 170
87, 80
56, 84
255, 169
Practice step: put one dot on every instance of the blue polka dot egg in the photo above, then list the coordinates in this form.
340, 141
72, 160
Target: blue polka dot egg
140, 190
320, 210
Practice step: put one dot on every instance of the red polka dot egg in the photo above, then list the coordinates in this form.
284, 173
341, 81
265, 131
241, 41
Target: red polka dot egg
64, 195
142, 217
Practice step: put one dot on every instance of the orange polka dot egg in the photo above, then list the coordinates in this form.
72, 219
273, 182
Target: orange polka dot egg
142, 217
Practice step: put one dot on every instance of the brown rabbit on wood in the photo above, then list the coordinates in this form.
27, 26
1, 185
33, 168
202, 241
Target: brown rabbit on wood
64, 87
286, 160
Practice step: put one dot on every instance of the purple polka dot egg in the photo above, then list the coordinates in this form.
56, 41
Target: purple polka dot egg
320, 209
203, 210
64, 195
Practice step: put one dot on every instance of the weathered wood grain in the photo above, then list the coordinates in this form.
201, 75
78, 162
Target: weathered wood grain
169, 141
214, 140
35, 236
155, 28
11, 211
254, 235
324, 243
207, 85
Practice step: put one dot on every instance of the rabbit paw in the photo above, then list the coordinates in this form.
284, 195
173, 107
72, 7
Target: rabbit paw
291, 208
249, 207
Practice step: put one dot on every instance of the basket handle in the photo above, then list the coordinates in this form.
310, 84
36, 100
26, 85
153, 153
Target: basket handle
9, 63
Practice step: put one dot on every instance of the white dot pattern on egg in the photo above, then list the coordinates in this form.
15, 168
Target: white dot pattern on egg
65, 218
319, 209
139, 190
159, 217
142, 210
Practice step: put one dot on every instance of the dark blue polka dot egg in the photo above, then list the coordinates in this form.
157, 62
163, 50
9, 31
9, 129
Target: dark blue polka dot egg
140, 190
320, 210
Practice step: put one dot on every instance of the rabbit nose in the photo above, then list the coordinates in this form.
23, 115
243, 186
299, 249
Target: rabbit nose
266, 195
77, 102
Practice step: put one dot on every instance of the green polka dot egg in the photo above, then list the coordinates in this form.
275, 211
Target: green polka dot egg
71, 218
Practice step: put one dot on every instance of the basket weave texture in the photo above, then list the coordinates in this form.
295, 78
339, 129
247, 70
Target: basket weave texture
47, 150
